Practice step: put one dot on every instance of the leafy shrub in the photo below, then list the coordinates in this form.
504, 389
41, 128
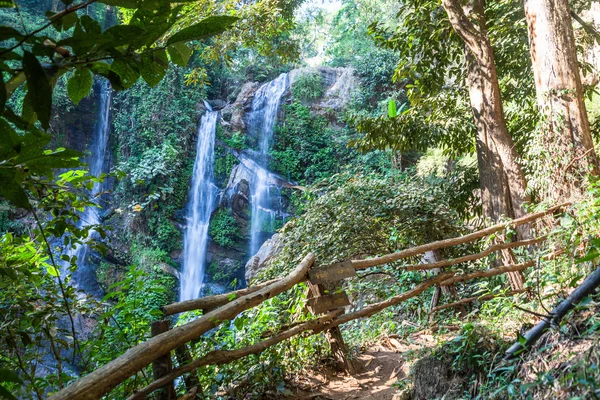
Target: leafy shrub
308, 87
223, 229
306, 148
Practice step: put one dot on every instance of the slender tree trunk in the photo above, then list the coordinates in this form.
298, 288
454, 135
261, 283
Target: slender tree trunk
501, 177
565, 133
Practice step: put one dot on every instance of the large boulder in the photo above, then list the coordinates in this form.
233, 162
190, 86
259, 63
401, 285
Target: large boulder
269, 250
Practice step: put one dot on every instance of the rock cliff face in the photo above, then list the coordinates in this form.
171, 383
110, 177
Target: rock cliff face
235, 262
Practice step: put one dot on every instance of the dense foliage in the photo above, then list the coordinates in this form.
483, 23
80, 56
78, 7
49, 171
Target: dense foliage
414, 180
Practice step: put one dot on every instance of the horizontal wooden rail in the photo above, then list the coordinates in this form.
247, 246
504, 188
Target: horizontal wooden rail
209, 303
473, 257
371, 309
473, 299
226, 356
498, 271
107, 377
414, 251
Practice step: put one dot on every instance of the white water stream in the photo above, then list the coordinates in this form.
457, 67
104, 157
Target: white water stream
265, 203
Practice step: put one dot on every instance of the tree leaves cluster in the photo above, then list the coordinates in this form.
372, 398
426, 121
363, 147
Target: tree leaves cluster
122, 53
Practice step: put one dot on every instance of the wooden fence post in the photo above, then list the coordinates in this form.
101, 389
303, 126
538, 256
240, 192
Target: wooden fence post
182, 353
339, 349
515, 278
431, 257
163, 365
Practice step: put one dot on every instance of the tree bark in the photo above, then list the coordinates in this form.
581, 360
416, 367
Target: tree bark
503, 185
565, 134
502, 180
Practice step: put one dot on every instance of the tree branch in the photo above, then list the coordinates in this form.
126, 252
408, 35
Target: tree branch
462, 24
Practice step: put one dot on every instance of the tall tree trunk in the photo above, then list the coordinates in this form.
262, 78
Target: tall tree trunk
565, 131
501, 177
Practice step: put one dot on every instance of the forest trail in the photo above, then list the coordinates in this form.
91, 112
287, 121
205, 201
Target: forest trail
381, 366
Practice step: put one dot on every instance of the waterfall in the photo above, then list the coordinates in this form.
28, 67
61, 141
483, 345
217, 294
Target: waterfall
265, 205
85, 277
200, 205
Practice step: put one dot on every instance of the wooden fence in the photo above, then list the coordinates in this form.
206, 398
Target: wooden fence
328, 309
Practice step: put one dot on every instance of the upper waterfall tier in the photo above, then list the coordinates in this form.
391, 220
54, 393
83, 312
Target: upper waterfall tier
262, 121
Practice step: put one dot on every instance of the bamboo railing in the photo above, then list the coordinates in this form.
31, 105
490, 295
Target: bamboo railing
221, 308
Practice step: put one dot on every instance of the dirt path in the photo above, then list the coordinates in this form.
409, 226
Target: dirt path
380, 368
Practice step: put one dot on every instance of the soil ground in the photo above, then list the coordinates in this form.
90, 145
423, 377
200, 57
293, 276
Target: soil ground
380, 367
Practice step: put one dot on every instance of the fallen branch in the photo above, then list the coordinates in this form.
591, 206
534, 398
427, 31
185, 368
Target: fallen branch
489, 273
104, 379
414, 251
586, 288
226, 356
472, 299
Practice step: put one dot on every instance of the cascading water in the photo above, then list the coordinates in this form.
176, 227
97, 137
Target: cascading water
200, 205
85, 277
261, 123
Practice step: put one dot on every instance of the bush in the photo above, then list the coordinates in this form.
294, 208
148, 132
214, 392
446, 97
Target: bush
223, 229
308, 87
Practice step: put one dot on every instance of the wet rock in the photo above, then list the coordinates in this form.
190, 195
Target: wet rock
217, 104
340, 93
234, 113
270, 249
169, 270
236, 195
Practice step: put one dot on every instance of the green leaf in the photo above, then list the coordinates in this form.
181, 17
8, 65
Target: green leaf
7, 375
7, 3
38, 88
206, 28
5, 394
121, 35
588, 257
12, 191
80, 84
52, 271
90, 25
6, 32
127, 72
154, 67
180, 54
392, 112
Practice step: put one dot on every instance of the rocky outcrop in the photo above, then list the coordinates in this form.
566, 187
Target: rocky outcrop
339, 83
236, 195
270, 249
340, 93
233, 114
